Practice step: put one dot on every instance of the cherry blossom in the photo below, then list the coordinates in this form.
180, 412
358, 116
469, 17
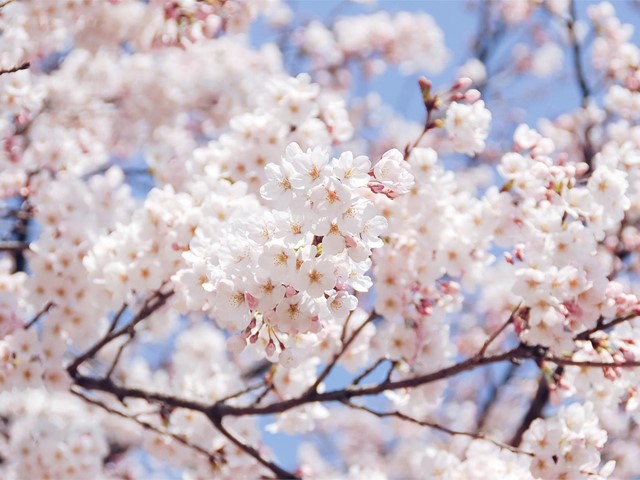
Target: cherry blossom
225, 220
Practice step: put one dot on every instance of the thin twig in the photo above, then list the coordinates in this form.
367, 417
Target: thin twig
392, 367
364, 374
13, 246
336, 357
276, 469
493, 395
157, 300
536, 407
578, 69
119, 354
120, 392
116, 318
515, 354
592, 363
345, 326
428, 125
605, 326
262, 395
242, 392
581, 79
215, 458
24, 66
495, 334
435, 426
38, 315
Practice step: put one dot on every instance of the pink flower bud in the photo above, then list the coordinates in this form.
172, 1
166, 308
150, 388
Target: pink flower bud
316, 326
462, 83
375, 186
472, 95
271, 348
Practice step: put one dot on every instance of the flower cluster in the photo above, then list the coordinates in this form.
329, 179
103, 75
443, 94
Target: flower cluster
293, 269
568, 445
559, 276
414, 42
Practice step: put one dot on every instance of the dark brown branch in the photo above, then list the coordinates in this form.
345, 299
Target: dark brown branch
578, 69
242, 392
393, 366
116, 318
538, 403
24, 66
345, 327
107, 385
276, 469
592, 363
327, 370
495, 334
153, 303
520, 352
366, 372
20, 231
13, 246
38, 315
429, 124
436, 426
493, 395
215, 458
486, 40
605, 326
262, 395
121, 348
581, 80
219, 410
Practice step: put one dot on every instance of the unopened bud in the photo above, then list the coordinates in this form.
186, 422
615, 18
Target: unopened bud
271, 348
425, 89
289, 291
472, 95
462, 83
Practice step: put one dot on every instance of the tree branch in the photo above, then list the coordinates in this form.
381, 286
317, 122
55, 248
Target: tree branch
153, 303
578, 69
277, 470
24, 66
366, 372
336, 357
495, 334
107, 385
436, 426
591, 363
514, 354
538, 403
580, 77
38, 315
586, 335
13, 246
493, 393
215, 458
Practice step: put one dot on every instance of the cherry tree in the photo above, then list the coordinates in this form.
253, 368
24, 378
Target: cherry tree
211, 235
